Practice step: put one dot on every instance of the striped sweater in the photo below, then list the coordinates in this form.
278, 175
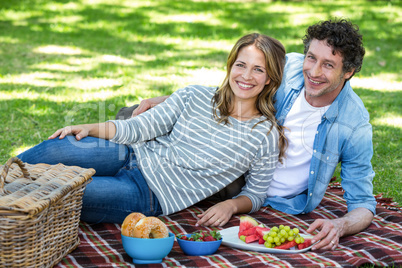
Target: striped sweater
186, 156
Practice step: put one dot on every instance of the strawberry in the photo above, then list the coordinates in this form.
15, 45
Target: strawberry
202, 236
209, 238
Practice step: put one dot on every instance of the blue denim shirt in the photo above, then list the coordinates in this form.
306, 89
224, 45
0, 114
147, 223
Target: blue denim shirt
344, 135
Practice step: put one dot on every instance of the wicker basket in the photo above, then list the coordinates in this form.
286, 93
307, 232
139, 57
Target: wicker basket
40, 208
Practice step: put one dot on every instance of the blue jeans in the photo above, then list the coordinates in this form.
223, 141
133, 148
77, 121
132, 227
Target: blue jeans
118, 187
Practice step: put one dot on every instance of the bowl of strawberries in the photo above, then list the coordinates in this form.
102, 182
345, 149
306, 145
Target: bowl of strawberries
200, 243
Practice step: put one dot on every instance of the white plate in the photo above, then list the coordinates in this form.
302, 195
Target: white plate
230, 238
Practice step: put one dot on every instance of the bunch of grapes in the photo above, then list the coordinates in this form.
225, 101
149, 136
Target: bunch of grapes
282, 234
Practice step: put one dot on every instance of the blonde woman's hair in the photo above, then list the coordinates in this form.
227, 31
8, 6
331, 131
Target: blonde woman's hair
274, 53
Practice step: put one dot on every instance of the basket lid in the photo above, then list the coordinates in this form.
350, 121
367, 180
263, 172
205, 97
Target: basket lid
29, 189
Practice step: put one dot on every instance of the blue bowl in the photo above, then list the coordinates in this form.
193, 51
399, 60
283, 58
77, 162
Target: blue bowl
144, 250
196, 248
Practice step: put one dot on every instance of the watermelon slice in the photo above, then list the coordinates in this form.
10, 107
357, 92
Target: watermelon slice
250, 231
246, 222
287, 245
251, 238
261, 231
305, 244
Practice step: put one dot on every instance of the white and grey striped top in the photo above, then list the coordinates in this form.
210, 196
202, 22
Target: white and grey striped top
186, 156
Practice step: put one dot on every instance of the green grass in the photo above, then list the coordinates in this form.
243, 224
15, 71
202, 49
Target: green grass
68, 62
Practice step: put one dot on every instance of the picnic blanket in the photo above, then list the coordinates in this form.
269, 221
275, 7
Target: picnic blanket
379, 245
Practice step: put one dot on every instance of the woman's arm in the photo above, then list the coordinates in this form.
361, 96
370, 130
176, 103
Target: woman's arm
105, 130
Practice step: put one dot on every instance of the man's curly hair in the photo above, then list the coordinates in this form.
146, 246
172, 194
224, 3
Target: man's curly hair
343, 37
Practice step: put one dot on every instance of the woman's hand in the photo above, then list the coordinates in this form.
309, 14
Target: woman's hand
105, 130
80, 131
220, 214
217, 215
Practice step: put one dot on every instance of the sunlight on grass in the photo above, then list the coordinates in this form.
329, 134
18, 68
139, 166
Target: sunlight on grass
391, 121
62, 50
207, 18
9, 40
67, 6
18, 16
37, 79
62, 19
92, 83
18, 150
381, 83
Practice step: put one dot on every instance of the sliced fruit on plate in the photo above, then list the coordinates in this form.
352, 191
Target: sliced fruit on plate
251, 238
250, 231
246, 222
261, 231
287, 245
305, 244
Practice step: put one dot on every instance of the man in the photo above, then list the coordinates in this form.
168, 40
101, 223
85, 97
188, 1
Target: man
327, 124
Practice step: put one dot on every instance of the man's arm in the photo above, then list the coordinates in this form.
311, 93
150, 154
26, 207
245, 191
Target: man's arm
357, 175
332, 230
148, 104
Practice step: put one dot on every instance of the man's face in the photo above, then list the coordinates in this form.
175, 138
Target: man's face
323, 74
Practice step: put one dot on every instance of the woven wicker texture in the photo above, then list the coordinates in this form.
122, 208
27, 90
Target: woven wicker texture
40, 208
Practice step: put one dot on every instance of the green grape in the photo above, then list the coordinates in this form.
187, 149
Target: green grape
295, 230
290, 238
297, 239
272, 233
281, 227
279, 236
278, 244
267, 245
283, 232
301, 240
291, 233
276, 240
283, 240
270, 239
265, 237
275, 229
287, 228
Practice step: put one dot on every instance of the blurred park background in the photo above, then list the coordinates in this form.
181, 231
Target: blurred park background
66, 62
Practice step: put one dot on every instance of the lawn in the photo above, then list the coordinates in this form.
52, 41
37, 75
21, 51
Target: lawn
68, 62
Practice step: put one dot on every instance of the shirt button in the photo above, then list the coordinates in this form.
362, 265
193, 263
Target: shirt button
303, 212
315, 151
311, 194
312, 172
327, 157
317, 131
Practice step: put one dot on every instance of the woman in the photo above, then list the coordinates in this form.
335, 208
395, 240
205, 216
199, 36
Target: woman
186, 149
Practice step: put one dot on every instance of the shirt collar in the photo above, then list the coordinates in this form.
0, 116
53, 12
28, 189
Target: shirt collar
297, 84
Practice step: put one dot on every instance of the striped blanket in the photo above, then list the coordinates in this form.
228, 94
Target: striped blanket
379, 245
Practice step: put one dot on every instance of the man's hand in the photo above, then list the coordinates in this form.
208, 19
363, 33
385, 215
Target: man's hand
148, 104
330, 231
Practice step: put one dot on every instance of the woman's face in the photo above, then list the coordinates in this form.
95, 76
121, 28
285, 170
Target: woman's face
248, 75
